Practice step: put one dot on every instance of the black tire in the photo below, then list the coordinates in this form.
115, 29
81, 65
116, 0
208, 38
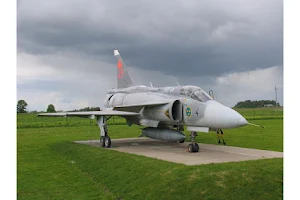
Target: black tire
107, 142
196, 147
191, 147
181, 141
102, 141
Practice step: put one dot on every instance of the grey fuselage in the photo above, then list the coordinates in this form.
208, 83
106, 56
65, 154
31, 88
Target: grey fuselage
186, 105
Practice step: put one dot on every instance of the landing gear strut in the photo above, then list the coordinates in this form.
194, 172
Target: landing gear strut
193, 147
105, 140
220, 134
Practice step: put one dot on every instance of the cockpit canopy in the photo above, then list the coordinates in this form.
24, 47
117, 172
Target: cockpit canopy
195, 93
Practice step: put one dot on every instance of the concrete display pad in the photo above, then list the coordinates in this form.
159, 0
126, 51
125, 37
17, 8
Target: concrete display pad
177, 152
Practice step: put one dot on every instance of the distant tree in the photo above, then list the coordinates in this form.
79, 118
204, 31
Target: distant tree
255, 104
97, 109
86, 109
21, 106
51, 108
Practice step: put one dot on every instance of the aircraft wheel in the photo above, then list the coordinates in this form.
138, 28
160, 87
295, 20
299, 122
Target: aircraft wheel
193, 147
196, 147
107, 141
181, 141
190, 147
102, 141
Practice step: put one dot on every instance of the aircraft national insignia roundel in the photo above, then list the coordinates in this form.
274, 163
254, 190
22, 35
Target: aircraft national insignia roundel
188, 112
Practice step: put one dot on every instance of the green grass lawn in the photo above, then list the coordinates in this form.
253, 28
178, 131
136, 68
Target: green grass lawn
51, 166
261, 113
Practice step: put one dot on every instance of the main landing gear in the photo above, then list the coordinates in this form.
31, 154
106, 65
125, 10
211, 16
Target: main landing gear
105, 140
220, 134
193, 147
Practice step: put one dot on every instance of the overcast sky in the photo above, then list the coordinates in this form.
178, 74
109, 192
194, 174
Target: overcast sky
65, 48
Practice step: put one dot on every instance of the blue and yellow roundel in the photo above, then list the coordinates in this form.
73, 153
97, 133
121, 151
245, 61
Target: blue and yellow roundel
188, 111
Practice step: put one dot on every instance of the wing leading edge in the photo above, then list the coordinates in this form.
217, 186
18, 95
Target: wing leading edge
123, 111
89, 113
138, 107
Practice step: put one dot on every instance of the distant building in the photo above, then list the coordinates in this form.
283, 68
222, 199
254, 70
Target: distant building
268, 105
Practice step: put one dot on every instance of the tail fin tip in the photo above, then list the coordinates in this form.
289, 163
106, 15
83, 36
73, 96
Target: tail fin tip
116, 53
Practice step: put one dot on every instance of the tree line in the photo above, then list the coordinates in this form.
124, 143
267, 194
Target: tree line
255, 104
86, 109
22, 108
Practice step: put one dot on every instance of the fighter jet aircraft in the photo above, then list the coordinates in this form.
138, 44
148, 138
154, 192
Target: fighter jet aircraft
164, 111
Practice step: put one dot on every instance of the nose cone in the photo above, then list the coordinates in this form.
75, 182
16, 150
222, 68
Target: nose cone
219, 116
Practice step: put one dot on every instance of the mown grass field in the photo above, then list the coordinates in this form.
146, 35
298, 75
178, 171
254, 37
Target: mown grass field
32, 121
51, 166
261, 113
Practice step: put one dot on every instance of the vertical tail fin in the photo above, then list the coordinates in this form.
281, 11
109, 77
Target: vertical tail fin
124, 80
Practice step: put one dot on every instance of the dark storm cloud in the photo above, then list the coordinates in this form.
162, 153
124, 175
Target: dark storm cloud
205, 38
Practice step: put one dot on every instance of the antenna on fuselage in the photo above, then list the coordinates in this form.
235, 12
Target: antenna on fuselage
211, 93
151, 84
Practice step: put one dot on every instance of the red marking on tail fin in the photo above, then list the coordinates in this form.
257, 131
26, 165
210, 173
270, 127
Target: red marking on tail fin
120, 69
119, 64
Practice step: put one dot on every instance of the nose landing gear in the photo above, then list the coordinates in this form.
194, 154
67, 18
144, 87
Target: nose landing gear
220, 134
193, 147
